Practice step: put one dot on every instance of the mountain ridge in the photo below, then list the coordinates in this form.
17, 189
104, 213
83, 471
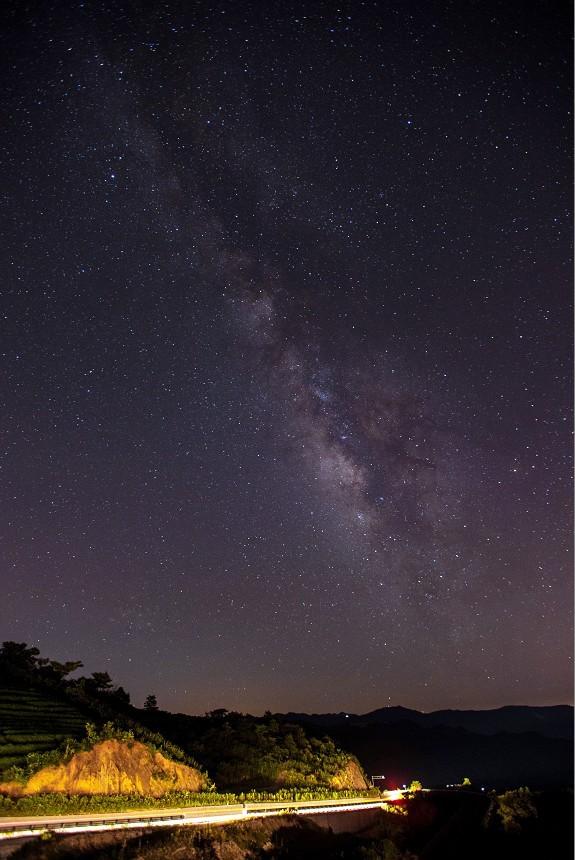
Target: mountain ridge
553, 721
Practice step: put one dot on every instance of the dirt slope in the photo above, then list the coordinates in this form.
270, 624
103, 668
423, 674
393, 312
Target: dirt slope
113, 767
350, 777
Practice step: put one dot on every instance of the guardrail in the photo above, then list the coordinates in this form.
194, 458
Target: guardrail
190, 816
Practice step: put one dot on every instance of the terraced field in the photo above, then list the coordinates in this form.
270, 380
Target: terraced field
32, 722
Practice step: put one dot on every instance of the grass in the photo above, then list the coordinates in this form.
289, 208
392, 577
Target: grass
61, 804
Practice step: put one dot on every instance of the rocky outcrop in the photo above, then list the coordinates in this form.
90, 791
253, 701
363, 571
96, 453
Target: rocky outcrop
113, 767
351, 776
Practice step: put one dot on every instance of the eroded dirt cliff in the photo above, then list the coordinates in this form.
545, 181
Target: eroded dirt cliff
113, 767
351, 776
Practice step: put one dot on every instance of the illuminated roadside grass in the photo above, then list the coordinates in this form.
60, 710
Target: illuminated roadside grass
60, 804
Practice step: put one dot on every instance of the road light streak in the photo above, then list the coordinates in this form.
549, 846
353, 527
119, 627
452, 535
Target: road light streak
18, 831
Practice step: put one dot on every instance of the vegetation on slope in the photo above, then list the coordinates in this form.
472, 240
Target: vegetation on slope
112, 766
240, 751
46, 719
32, 722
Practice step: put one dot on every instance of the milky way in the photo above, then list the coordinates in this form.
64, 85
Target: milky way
367, 438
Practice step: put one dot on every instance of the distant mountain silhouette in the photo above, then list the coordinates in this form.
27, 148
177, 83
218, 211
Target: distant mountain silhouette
506, 747
555, 721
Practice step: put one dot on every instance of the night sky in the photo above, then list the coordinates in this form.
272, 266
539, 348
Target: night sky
286, 349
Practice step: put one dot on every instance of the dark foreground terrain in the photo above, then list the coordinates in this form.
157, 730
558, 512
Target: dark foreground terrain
435, 826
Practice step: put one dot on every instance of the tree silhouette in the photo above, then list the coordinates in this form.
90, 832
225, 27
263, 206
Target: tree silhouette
101, 681
16, 657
